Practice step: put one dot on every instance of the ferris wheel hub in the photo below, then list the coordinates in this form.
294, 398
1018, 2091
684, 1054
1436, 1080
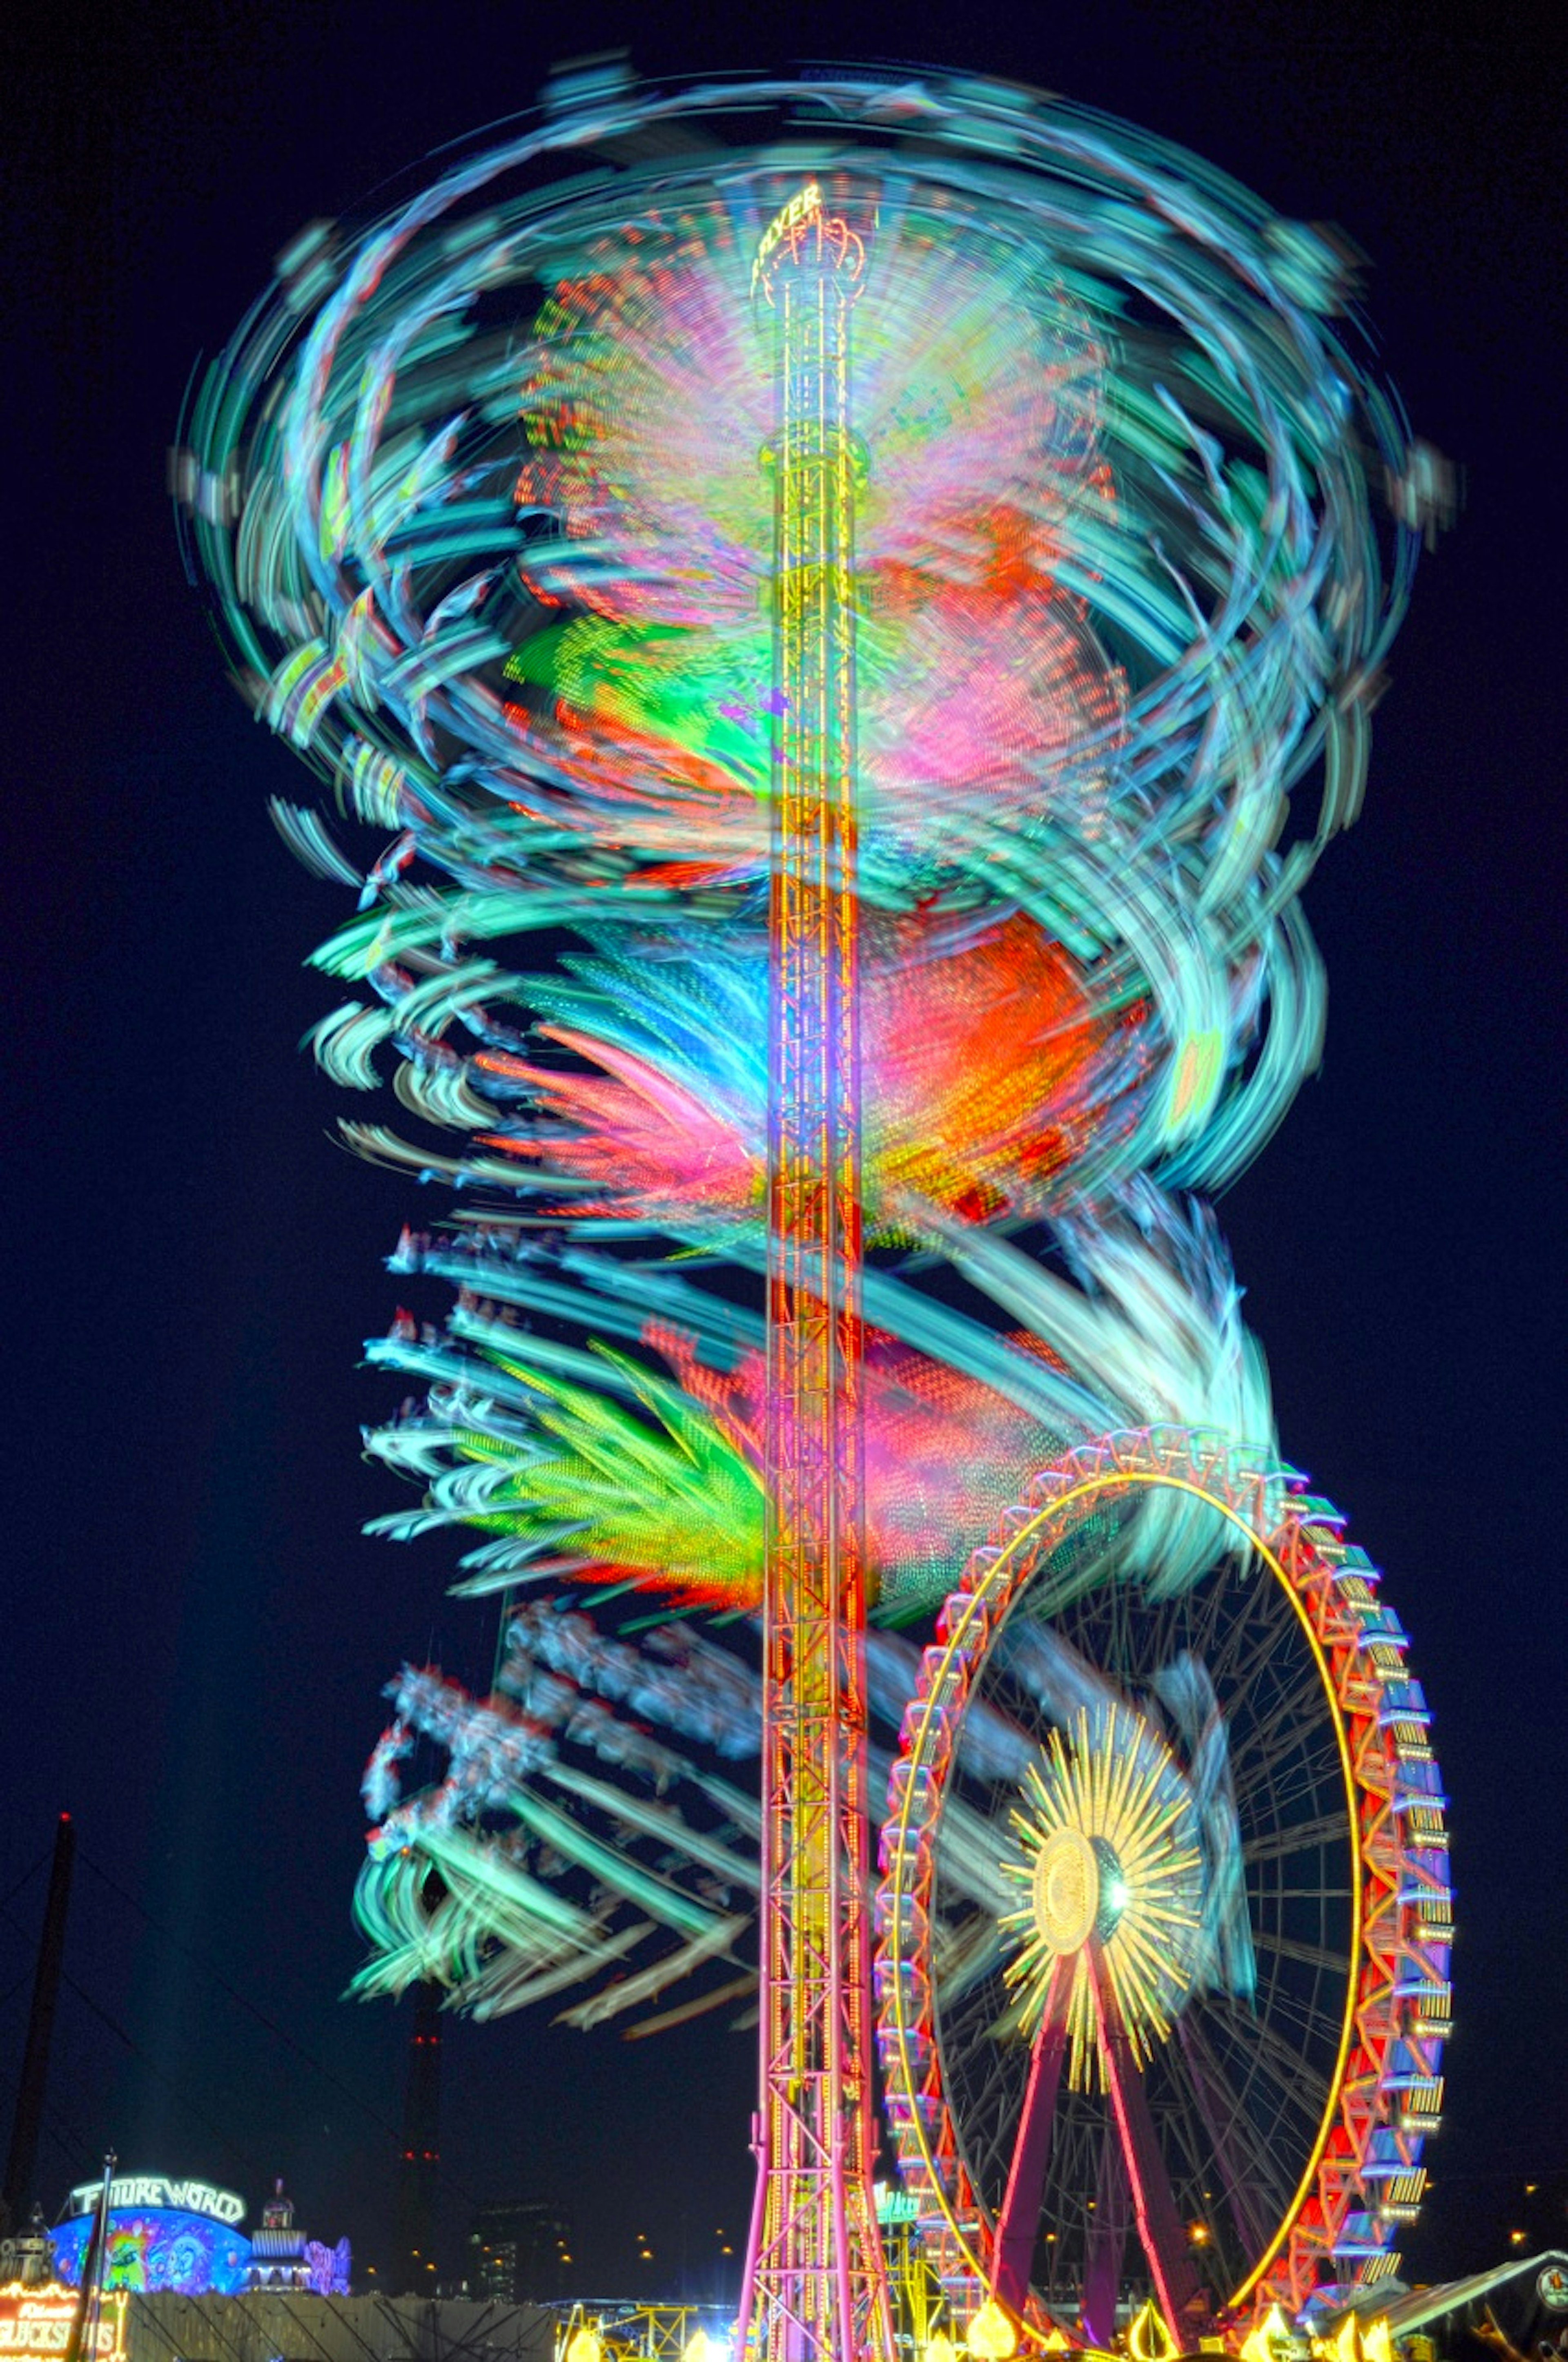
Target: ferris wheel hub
1066, 1892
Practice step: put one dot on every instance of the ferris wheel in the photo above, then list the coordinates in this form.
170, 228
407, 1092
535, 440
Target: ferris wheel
1164, 1916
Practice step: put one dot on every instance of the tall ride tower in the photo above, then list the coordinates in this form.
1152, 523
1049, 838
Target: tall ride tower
815, 2285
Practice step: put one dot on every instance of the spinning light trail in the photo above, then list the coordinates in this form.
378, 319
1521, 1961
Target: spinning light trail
857, 572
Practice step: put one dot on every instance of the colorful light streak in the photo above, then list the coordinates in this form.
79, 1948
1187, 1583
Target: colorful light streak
489, 497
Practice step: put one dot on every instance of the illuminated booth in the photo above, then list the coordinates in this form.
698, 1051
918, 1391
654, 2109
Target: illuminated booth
179, 2236
185, 2238
283, 2257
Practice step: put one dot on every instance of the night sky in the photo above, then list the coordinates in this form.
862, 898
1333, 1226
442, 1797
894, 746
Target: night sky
195, 1634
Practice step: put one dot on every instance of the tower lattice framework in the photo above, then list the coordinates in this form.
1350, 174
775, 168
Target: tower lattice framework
815, 2282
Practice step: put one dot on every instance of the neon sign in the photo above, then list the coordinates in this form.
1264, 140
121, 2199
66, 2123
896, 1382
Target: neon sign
804, 205
35, 2326
154, 2190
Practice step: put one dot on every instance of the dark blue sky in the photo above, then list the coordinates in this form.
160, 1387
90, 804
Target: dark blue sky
196, 1635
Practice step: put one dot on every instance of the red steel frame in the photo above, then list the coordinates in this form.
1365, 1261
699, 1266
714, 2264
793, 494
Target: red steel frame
815, 2285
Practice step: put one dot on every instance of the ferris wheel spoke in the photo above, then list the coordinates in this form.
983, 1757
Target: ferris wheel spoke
1293, 1819
1276, 1790
1280, 1844
1247, 2167
1320, 2027
1183, 2135
1304, 2086
991, 2098
1282, 1992
1310, 1774
1322, 1957
1227, 1635
1298, 1708
1309, 2029
1218, 1649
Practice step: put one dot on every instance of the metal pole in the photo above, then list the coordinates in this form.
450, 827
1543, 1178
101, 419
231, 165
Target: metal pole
22, 2161
84, 2322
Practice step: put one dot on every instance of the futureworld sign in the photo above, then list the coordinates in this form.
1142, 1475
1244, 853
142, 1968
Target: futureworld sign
153, 2190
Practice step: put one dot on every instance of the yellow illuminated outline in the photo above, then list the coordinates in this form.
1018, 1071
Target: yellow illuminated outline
804, 205
1086, 1489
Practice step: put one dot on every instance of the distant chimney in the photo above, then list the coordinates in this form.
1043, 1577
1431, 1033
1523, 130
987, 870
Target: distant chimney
419, 2162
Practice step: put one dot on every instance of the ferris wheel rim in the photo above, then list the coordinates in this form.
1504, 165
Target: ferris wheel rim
1102, 1482
1268, 1505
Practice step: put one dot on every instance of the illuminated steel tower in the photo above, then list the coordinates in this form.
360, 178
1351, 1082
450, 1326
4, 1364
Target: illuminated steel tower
815, 2285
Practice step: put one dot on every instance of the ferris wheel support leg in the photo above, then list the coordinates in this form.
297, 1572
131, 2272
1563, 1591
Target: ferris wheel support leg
1020, 2217
1107, 2243
1154, 2206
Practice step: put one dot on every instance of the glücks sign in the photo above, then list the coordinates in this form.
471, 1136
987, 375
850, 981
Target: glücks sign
36, 2325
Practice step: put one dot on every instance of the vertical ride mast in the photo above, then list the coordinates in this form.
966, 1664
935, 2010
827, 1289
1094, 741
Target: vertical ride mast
815, 2285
